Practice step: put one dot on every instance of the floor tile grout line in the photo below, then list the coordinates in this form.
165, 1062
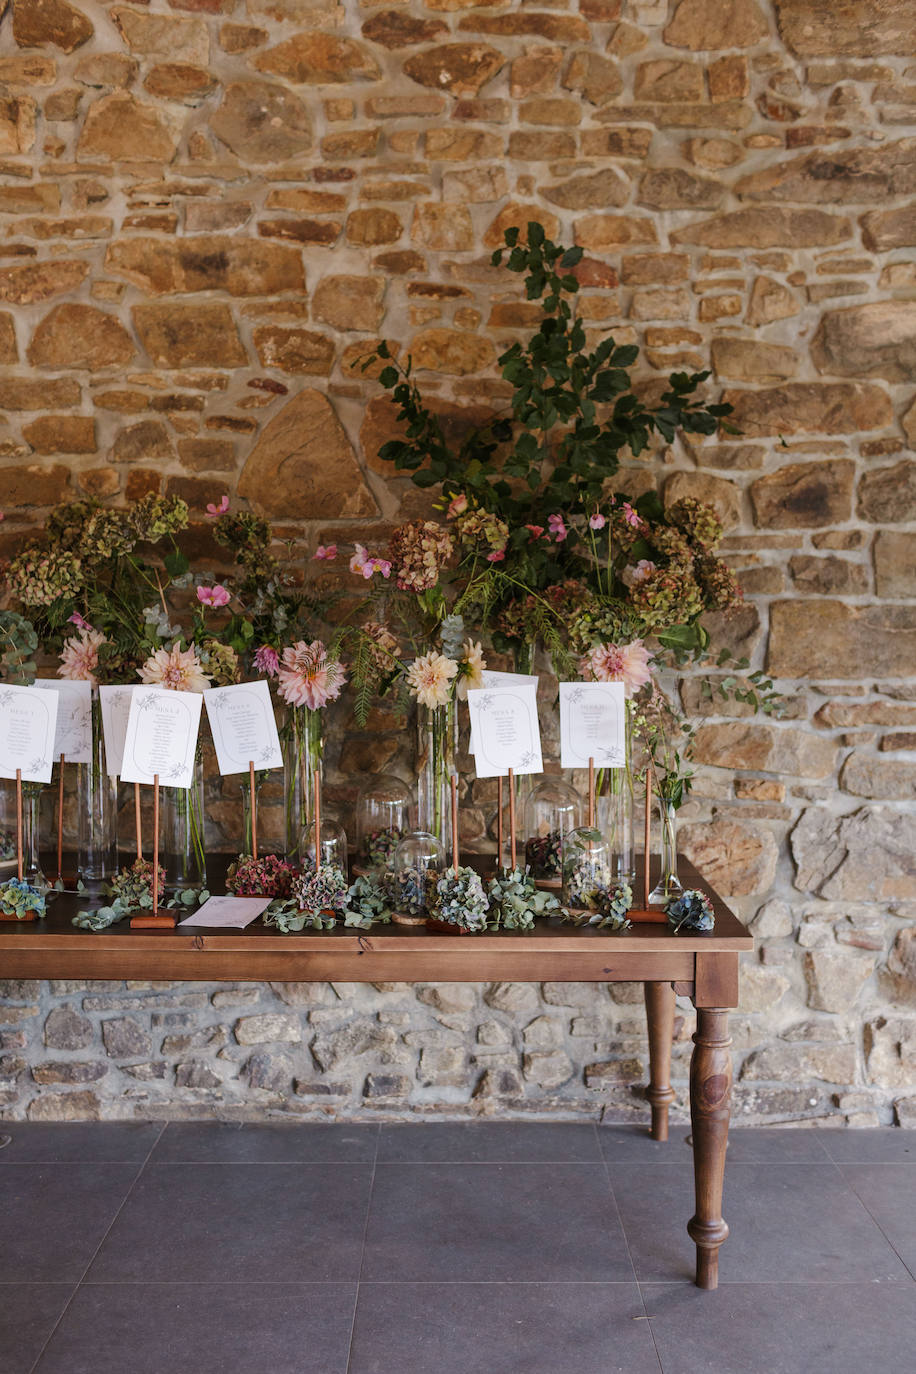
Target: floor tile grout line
362, 1257
95, 1252
626, 1241
849, 1184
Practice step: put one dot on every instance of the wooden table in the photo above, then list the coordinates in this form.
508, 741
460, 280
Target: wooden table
703, 967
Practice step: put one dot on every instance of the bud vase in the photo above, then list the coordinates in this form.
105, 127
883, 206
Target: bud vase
181, 831
668, 885
614, 805
97, 808
436, 752
259, 780
302, 746
32, 870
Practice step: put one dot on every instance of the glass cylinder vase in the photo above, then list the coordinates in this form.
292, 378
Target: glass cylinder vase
436, 752
668, 885
614, 805
181, 831
259, 781
97, 808
32, 870
302, 746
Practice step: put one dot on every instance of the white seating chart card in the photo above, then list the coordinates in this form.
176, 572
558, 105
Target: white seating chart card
28, 718
243, 727
73, 732
161, 737
491, 678
504, 720
115, 712
592, 724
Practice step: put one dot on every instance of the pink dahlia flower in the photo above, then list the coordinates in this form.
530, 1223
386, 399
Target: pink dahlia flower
307, 677
626, 663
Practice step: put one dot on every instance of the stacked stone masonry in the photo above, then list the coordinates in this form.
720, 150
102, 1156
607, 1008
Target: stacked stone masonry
211, 209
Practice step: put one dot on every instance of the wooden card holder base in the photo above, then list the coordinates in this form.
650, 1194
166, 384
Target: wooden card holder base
29, 916
161, 921
647, 915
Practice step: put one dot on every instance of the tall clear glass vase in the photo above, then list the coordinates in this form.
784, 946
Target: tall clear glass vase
181, 831
97, 809
32, 870
301, 740
614, 806
668, 885
436, 753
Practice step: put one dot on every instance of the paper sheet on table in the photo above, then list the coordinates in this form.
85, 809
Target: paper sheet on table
236, 912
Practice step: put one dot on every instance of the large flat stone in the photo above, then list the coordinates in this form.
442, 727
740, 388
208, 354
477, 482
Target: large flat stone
864, 174
210, 262
766, 749
699, 25
804, 495
810, 408
261, 121
203, 335
857, 28
736, 859
80, 336
895, 563
888, 495
767, 227
303, 465
830, 639
121, 128
873, 340
30, 282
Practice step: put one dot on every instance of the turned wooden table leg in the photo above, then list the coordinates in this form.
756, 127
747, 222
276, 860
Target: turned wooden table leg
710, 1101
660, 1017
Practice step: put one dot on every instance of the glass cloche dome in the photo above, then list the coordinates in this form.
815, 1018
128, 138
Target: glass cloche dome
382, 820
551, 811
587, 867
419, 860
333, 844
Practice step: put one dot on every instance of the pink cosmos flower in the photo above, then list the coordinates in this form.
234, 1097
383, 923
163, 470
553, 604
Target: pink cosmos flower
630, 515
213, 596
497, 556
266, 660
307, 677
80, 656
77, 620
535, 530
643, 569
213, 511
457, 506
366, 564
597, 521
325, 551
557, 527
626, 663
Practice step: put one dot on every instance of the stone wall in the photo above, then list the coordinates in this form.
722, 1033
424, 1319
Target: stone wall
211, 207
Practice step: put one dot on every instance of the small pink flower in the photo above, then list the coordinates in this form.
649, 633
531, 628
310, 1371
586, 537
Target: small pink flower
2, 515
535, 530
497, 556
266, 660
366, 564
213, 596
457, 506
77, 620
630, 515
643, 569
327, 552
557, 527
213, 511
597, 521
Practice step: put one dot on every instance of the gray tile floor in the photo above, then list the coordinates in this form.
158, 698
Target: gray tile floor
478, 1248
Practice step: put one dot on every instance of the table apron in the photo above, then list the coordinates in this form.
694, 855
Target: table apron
209, 964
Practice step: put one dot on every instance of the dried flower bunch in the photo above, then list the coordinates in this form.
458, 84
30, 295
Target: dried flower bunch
691, 911
266, 876
460, 900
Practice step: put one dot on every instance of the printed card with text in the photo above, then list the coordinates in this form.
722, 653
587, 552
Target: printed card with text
243, 727
161, 737
115, 701
491, 678
28, 719
592, 724
73, 732
504, 720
